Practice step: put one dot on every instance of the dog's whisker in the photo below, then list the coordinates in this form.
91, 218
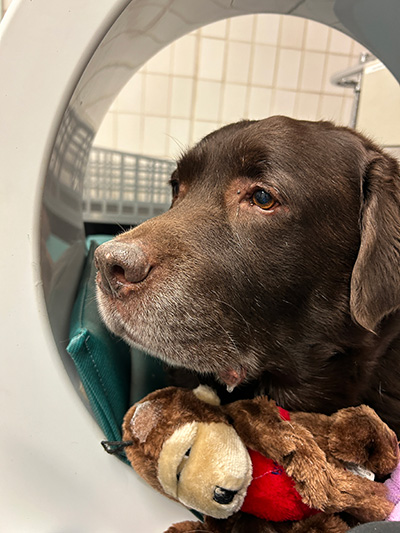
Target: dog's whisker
112, 289
247, 324
121, 227
230, 338
380, 389
237, 238
178, 143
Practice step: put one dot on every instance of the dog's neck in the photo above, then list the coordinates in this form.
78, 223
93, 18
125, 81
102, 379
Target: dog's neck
341, 368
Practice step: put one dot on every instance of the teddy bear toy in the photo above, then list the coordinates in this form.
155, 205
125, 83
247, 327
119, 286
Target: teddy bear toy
253, 467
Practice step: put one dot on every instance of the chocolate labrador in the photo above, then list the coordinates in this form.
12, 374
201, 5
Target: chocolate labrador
278, 265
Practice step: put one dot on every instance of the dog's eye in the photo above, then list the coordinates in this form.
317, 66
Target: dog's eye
175, 188
263, 199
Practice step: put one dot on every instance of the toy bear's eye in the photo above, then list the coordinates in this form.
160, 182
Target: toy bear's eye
224, 496
182, 464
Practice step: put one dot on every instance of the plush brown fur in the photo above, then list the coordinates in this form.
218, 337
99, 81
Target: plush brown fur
312, 448
252, 524
169, 411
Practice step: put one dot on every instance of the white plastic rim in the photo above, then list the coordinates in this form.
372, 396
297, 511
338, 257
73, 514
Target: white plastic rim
63, 58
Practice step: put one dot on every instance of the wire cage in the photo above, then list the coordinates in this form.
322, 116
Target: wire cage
125, 188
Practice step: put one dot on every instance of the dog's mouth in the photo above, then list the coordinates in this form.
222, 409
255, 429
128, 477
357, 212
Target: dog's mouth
164, 324
151, 337
232, 378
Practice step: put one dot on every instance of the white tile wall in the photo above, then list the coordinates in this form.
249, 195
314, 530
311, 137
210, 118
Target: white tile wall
179, 136
316, 36
182, 97
339, 43
246, 67
233, 102
207, 100
211, 58
267, 29
184, 52
202, 128
307, 106
155, 135
106, 135
128, 131
130, 99
283, 102
238, 62
312, 73
288, 68
157, 95
263, 65
217, 29
161, 63
259, 105
241, 29
292, 32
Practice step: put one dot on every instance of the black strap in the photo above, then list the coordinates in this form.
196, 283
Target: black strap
115, 446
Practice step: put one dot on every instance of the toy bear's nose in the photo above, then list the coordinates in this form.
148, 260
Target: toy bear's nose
224, 496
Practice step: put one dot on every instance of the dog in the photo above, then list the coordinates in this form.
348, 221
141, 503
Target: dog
277, 266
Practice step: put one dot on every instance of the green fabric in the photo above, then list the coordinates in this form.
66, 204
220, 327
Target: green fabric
97, 239
148, 374
102, 360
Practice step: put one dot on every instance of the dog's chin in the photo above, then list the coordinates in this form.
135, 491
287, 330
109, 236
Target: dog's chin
189, 354
229, 372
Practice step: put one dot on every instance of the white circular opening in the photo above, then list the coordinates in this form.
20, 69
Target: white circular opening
141, 31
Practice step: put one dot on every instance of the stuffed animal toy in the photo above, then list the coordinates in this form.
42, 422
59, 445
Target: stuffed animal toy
393, 486
251, 466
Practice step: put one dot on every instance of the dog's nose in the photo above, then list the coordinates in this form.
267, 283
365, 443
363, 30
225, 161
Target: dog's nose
120, 265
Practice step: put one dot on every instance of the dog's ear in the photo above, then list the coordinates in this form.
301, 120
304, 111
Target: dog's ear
375, 282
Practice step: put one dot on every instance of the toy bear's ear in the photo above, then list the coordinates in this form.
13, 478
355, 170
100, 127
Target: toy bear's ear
147, 415
207, 395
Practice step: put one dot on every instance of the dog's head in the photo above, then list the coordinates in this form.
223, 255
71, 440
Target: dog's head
282, 235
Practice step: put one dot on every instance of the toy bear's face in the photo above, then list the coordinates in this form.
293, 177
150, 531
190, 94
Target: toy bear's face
184, 446
206, 467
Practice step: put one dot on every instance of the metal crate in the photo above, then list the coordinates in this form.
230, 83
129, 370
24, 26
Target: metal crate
125, 188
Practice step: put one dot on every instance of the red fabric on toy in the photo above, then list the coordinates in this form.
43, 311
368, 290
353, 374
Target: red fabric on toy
285, 415
272, 494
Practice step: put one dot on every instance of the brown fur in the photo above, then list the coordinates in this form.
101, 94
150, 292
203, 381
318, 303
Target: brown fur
176, 410
316, 464
299, 302
246, 523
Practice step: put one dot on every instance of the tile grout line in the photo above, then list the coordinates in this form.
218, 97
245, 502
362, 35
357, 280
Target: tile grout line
276, 66
301, 70
324, 74
194, 87
224, 71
